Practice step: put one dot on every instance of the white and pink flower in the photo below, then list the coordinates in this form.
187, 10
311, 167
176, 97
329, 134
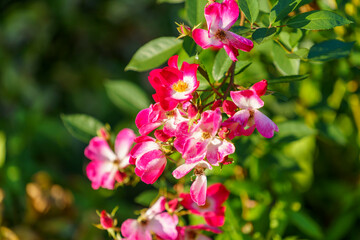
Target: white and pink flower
202, 141
249, 117
172, 85
155, 220
212, 211
149, 159
199, 186
219, 18
103, 170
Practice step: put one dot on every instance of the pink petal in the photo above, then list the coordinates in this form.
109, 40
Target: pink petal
198, 190
99, 150
101, 174
213, 17
264, 125
157, 207
210, 121
229, 107
194, 150
155, 78
164, 226
105, 220
218, 193
170, 76
189, 75
246, 99
183, 169
232, 52
173, 61
161, 135
132, 230
239, 42
237, 123
201, 37
206, 228
229, 13
260, 87
142, 117
152, 164
218, 149
123, 142
188, 203
217, 218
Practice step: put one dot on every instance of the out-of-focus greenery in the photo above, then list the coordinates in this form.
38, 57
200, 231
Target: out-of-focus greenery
56, 57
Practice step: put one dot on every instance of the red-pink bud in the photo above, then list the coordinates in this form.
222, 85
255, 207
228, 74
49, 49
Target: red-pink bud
223, 132
120, 176
103, 133
173, 204
216, 104
229, 107
161, 136
105, 220
192, 111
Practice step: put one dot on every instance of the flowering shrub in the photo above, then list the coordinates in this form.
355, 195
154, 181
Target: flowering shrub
197, 118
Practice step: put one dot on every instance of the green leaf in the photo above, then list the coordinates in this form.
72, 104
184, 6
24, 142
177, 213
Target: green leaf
195, 11
154, 53
241, 66
189, 46
317, 20
282, 9
239, 30
301, 53
221, 65
262, 34
145, 198
250, 8
329, 50
127, 96
306, 224
284, 64
287, 79
81, 126
291, 39
2, 148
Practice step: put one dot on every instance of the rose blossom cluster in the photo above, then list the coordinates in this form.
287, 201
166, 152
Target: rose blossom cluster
178, 122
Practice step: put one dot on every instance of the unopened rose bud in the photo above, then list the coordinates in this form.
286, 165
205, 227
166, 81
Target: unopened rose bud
229, 107
173, 205
192, 111
183, 30
106, 220
103, 133
216, 104
223, 132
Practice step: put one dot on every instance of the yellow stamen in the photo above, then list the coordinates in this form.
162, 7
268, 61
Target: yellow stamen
180, 86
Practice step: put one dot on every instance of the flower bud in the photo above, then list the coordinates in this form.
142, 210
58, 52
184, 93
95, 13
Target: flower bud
192, 111
229, 107
106, 220
103, 133
184, 30
216, 104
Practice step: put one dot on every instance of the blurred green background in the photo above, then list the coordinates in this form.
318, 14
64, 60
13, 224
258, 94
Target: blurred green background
56, 56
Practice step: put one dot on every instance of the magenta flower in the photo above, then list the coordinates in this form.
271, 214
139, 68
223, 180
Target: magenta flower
194, 232
154, 220
172, 85
103, 170
148, 158
153, 117
249, 117
202, 140
219, 18
198, 187
213, 211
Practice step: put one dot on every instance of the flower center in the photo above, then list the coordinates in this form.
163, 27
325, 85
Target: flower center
170, 114
205, 135
180, 86
220, 34
198, 171
251, 120
206, 205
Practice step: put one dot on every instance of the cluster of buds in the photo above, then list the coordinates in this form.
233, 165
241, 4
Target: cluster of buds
181, 122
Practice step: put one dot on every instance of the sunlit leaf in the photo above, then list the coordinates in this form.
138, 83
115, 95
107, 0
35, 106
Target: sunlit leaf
250, 8
222, 64
282, 9
127, 96
2, 148
284, 64
195, 11
81, 126
146, 197
317, 20
154, 53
